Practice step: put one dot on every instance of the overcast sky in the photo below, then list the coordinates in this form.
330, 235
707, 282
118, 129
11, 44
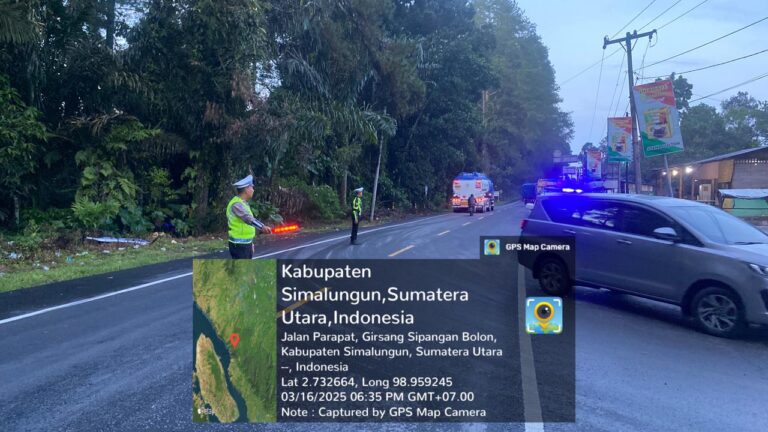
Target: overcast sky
574, 30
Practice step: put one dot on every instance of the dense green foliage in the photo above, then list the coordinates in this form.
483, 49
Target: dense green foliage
134, 114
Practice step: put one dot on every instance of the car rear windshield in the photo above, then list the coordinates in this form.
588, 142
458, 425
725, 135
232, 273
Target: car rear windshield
718, 226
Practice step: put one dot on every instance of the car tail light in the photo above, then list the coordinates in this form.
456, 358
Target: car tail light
523, 223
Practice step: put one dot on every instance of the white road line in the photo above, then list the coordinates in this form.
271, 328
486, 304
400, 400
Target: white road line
157, 282
444, 233
466, 223
481, 218
75, 303
531, 401
401, 250
343, 237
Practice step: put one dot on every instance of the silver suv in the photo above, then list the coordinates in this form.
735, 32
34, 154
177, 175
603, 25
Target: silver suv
711, 264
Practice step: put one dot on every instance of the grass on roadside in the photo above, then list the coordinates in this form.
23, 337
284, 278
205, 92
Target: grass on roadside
94, 258
24, 267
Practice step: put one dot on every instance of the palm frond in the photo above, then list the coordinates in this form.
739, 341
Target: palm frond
16, 27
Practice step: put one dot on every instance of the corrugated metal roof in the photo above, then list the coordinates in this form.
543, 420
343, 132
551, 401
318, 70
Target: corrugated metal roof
728, 155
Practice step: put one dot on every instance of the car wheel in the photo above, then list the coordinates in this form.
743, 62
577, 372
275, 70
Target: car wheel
553, 277
718, 311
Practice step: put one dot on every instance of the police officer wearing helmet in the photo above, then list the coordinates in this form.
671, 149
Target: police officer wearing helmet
242, 224
357, 213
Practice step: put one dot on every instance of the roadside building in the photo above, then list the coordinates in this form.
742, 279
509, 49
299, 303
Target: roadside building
704, 179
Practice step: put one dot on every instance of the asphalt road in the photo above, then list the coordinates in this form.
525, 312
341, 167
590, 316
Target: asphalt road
124, 362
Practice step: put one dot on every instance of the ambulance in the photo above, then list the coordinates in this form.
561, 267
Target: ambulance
475, 183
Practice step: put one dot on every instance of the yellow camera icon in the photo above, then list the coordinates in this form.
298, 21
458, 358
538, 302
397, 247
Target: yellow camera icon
492, 247
544, 315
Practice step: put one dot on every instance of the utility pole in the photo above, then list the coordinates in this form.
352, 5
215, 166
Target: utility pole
636, 153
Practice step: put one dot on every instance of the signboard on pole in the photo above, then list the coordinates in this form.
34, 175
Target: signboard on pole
594, 164
658, 118
619, 139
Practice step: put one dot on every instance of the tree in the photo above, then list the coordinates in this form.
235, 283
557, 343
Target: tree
525, 124
17, 23
20, 135
746, 119
198, 62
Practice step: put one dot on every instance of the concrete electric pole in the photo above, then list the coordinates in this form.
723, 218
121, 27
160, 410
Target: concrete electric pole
627, 45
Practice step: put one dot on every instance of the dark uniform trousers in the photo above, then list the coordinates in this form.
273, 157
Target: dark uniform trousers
241, 250
355, 224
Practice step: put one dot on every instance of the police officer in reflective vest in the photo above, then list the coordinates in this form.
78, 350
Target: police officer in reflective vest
242, 224
357, 213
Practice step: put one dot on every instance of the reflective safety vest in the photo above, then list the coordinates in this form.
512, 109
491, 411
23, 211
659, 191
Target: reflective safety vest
239, 231
357, 208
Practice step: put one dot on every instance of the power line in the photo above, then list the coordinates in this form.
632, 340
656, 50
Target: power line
613, 97
707, 43
642, 63
711, 98
633, 19
621, 92
616, 88
682, 15
597, 95
715, 65
590, 67
659, 15
578, 74
759, 77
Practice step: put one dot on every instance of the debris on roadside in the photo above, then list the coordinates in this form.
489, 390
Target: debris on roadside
136, 241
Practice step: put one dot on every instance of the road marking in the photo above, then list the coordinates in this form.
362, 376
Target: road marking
159, 281
99, 297
302, 302
466, 223
444, 233
531, 401
401, 250
343, 237
481, 218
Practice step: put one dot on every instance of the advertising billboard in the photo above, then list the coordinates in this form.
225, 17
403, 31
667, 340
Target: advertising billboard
658, 118
619, 139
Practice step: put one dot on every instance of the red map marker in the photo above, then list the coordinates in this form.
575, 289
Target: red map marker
235, 339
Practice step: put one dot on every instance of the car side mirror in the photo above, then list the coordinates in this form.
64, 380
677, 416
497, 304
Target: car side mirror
666, 233
529, 206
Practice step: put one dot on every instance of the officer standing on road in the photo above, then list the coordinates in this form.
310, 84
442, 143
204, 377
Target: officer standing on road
471, 203
357, 213
242, 224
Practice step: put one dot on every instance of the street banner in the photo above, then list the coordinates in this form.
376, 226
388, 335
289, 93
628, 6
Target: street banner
594, 162
619, 139
658, 118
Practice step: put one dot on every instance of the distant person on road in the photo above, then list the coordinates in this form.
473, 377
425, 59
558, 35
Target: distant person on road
242, 224
357, 213
472, 202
